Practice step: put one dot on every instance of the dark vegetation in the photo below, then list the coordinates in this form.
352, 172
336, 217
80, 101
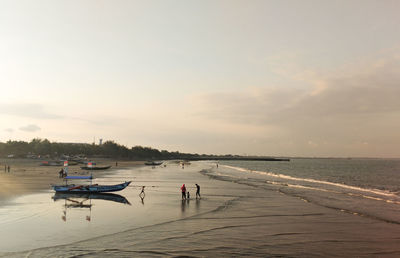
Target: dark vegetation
39, 148
43, 148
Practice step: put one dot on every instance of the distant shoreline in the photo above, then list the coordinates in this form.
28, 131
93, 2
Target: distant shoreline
241, 158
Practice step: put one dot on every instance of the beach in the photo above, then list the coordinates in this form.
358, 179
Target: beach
241, 213
27, 176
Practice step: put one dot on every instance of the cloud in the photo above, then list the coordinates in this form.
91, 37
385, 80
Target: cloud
342, 109
364, 90
261, 106
29, 110
30, 128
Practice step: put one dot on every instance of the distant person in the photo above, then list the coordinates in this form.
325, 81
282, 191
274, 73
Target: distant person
142, 192
217, 165
116, 164
8, 169
61, 173
188, 195
183, 189
197, 191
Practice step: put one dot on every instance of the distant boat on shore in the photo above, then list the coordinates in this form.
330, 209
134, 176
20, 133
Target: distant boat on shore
153, 163
52, 163
96, 168
57, 163
184, 162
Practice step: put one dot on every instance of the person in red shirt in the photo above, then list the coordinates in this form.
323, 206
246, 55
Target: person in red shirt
183, 189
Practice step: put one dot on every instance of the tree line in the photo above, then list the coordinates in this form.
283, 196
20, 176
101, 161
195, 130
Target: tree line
109, 149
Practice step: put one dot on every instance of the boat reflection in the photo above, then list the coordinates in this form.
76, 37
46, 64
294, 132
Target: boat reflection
84, 200
102, 196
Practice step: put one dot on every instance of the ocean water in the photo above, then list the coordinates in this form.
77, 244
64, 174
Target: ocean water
369, 187
383, 174
301, 208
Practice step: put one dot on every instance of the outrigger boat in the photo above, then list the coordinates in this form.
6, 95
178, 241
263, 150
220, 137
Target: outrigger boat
90, 188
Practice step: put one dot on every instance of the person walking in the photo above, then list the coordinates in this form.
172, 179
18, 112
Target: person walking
142, 192
197, 191
183, 189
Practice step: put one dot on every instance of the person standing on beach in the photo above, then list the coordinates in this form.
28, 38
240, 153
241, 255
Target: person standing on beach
183, 189
142, 192
8, 168
197, 191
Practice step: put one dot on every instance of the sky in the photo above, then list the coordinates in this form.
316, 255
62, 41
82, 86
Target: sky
273, 78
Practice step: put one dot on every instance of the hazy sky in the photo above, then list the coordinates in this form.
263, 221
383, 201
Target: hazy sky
291, 78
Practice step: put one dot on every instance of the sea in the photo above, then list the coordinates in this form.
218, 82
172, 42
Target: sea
301, 208
368, 187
